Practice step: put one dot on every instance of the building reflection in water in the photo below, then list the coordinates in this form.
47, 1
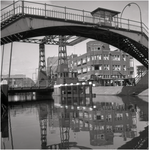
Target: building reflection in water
4, 126
43, 113
103, 122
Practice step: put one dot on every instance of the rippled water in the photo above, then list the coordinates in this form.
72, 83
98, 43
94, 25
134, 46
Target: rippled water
109, 123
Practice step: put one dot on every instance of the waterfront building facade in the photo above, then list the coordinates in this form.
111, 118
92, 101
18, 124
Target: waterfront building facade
102, 63
98, 63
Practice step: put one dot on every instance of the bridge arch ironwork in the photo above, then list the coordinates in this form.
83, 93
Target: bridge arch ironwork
81, 24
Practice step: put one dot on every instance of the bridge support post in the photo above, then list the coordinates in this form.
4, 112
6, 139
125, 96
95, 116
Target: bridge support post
10, 62
4, 95
23, 7
2, 61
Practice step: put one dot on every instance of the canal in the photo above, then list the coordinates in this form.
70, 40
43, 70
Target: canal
45, 124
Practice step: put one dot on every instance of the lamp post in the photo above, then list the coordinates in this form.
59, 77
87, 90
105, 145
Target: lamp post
139, 10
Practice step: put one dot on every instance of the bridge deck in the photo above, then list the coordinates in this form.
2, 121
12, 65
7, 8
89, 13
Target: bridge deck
30, 89
13, 11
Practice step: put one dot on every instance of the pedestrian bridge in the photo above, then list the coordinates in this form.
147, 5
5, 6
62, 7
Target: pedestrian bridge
20, 21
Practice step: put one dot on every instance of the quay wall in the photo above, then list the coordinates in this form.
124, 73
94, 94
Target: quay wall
140, 89
120, 90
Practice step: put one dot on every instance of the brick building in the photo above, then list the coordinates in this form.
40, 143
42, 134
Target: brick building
102, 63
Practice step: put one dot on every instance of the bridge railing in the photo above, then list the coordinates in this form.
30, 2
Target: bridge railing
30, 84
52, 11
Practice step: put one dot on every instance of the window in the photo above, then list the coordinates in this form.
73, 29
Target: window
84, 70
100, 67
98, 57
90, 116
100, 136
93, 57
116, 57
124, 57
80, 114
88, 68
79, 62
85, 115
106, 67
106, 57
131, 62
79, 71
88, 59
124, 67
116, 67
101, 127
108, 128
84, 60
96, 67
109, 117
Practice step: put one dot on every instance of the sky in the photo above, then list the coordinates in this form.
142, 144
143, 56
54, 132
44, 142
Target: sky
25, 56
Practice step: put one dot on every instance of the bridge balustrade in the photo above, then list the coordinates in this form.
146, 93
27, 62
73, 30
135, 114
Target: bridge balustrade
31, 84
82, 16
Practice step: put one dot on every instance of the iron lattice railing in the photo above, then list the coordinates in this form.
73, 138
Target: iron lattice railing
52, 11
31, 84
140, 76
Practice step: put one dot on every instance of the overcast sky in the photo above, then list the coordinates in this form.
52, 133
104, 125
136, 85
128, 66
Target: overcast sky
25, 57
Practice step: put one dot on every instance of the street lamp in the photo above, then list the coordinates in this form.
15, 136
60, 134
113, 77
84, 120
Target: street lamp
139, 10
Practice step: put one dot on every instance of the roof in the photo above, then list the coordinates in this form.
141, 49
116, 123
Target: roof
113, 13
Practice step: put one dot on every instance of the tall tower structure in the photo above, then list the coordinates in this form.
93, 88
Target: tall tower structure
43, 113
62, 68
63, 73
64, 121
42, 76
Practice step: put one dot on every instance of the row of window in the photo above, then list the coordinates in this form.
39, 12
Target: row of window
108, 117
98, 57
119, 127
100, 67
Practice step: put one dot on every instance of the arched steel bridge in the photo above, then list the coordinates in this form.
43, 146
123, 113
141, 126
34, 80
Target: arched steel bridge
20, 21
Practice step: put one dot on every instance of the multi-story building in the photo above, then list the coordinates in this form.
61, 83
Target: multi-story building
98, 63
102, 63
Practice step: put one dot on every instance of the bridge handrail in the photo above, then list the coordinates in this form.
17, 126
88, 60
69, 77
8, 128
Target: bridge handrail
69, 14
24, 84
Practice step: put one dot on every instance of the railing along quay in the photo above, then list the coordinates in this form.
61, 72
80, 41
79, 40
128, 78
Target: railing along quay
68, 14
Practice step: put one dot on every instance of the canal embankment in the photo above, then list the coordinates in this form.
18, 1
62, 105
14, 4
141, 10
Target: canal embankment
120, 90
140, 89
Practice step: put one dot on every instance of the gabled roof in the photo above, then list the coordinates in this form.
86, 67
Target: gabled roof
98, 10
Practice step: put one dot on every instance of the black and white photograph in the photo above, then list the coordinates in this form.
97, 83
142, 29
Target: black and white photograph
74, 74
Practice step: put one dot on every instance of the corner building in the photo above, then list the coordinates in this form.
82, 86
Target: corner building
102, 63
